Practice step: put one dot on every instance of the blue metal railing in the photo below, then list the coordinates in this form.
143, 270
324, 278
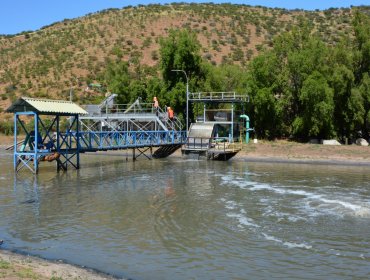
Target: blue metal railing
106, 140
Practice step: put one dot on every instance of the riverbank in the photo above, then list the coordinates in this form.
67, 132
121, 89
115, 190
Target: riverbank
287, 151
20, 267
283, 151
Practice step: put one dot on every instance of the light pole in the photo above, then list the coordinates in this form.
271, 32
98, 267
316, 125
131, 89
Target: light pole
187, 99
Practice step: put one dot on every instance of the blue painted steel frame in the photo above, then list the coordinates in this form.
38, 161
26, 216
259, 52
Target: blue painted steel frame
72, 142
34, 155
67, 144
29, 156
112, 140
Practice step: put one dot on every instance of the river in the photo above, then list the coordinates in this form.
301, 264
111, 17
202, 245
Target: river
187, 219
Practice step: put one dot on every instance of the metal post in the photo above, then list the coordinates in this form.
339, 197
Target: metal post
204, 112
35, 159
78, 141
232, 123
187, 105
58, 142
15, 159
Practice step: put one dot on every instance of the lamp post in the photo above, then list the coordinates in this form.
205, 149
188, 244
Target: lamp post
187, 99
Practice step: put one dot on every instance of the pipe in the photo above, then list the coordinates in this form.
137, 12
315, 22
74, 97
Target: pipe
246, 127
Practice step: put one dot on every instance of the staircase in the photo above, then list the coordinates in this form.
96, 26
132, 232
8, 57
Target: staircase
168, 124
165, 151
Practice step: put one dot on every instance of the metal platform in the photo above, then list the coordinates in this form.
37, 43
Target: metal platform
103, 127
212, 135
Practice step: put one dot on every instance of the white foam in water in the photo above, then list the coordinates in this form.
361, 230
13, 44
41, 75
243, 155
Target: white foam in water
342, 203
243, 220
231, 205
286, 243
237, 181
339, 206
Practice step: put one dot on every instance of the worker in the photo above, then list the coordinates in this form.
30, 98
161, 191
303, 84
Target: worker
170, 113
156, 105
32, 138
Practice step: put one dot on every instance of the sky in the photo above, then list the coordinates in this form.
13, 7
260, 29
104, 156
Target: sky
26, 15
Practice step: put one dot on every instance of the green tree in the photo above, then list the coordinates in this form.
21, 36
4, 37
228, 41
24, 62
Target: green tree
265, 84
361, 25
342, 81
180, 50
364, 89
117, 79
225, 77
355, 114
316, 118
265, 113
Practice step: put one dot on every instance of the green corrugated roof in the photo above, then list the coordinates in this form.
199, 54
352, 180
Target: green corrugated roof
45, 106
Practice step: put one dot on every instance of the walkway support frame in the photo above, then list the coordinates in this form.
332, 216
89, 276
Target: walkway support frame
45, 142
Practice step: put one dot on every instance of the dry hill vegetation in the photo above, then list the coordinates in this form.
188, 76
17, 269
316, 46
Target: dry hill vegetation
49, 61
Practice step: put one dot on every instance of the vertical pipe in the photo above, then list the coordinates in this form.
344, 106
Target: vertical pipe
58, 142
246, 127
78, 142
247, 130
35, 158
204, 112
232, 123
187, 105
15, 156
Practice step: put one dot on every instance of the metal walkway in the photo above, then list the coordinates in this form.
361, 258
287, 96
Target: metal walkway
107, 140
137, 128
111, 126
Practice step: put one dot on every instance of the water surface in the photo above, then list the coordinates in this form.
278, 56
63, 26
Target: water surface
189, 219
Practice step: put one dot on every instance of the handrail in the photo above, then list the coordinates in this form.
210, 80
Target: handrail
217, 96
99, 140
137, 107
205, 143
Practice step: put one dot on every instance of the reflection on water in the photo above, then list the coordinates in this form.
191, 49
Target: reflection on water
189, 219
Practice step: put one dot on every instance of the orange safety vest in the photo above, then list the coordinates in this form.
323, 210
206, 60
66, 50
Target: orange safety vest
170, 113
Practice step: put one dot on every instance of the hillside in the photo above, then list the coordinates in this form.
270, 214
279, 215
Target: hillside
72, 53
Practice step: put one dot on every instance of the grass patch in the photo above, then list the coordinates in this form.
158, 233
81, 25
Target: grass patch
4, 264
27, 273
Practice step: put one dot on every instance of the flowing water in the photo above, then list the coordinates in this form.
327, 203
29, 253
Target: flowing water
189, 219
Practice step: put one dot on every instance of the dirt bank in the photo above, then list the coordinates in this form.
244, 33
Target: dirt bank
19, 267
293, 151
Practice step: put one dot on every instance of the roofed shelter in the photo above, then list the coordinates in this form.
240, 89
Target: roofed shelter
44, 140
